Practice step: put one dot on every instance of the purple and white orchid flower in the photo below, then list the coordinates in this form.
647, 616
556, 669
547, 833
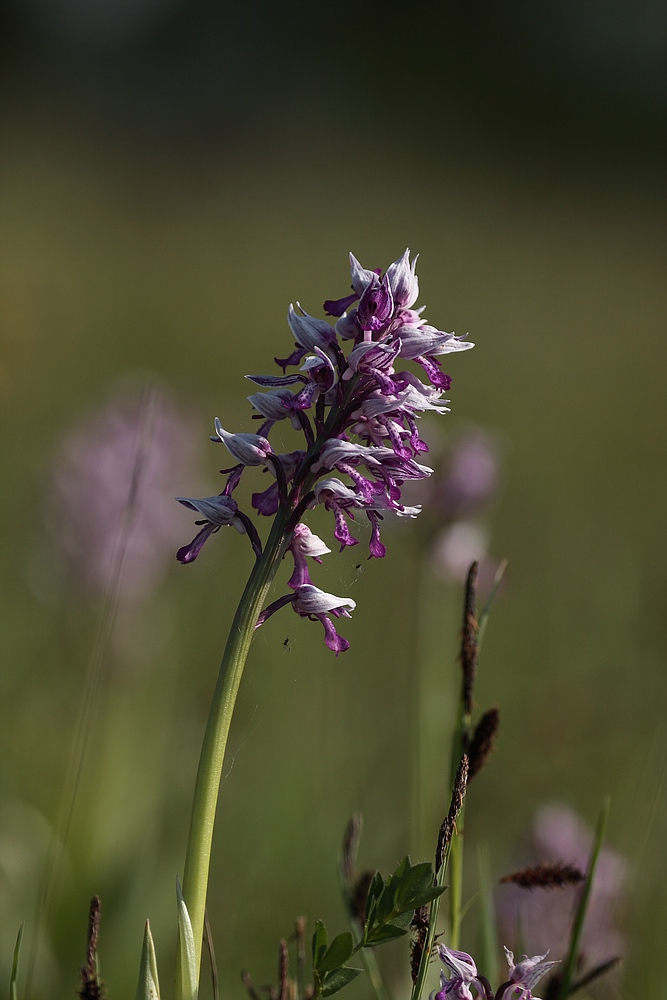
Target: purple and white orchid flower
358, 416
524, 974
463, 978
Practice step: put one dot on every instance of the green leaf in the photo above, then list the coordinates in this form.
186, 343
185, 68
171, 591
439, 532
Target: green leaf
320, 938
386, 904
375, 890
338, 953
428, 895
383, 934
415, 882
148, 987
15, 964
187, 954
335, 981
403, 919
403, 868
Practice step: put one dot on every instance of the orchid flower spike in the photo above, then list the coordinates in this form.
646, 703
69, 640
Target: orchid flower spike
357, 409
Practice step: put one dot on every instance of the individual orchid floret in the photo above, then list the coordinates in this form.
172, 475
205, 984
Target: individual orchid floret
375, 361
426, 340
249, 449
361, 276
421, 343
337, 450
403, 280
311, 602
321, 379
341, 500
310, 332
275, 405
464, 977
523, 976
320, 370
376, 306
218, 512
304, 543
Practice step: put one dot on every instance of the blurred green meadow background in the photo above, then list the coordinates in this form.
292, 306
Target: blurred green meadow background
173, 176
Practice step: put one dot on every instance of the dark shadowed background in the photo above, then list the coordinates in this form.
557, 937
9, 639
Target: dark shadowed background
174, 174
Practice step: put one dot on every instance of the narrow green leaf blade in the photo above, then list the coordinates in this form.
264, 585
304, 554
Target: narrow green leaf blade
337, 954
486, 611
15, 964
187, 953
335, 981
570, 963
148, 987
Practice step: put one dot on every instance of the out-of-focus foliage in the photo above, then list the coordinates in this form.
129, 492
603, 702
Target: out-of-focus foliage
165, 194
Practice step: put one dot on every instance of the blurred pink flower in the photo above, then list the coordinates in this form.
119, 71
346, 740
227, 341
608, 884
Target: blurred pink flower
540, 919
459, 498
468, 476
110, 502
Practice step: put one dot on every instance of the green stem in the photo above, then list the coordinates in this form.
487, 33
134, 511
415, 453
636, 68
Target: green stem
207, 786
422, 973
456, 884
460, 741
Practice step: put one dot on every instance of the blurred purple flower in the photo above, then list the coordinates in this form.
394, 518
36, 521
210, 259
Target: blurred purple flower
469, 476
461, 492
110, 509
539, 919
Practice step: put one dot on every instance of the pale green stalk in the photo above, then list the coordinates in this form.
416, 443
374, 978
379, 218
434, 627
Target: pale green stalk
488, 935
430, 937
456, 884
198, 854
207, 785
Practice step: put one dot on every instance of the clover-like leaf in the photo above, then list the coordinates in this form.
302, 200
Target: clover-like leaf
337, 954
383, 934
335, 981
320, 938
